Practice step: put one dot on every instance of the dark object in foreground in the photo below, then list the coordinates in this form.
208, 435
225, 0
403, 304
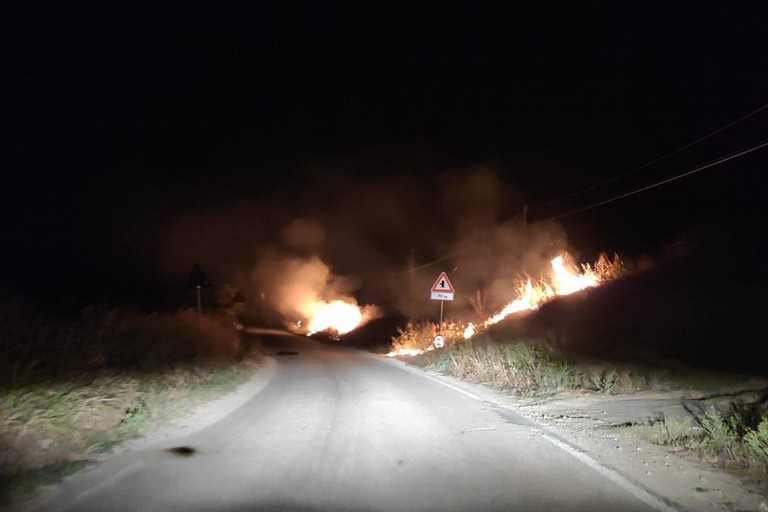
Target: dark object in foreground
182, 451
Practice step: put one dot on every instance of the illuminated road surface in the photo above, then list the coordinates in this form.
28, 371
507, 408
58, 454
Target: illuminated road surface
339, 430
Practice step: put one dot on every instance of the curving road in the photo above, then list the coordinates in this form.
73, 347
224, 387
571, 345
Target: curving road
340, 430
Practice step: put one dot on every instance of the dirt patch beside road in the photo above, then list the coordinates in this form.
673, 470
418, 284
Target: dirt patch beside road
601, 426
616, 432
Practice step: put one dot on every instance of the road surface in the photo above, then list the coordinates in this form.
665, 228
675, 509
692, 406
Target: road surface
335, 429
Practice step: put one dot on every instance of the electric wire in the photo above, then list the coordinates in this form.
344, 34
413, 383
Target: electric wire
473, 239
652, 162
718, 161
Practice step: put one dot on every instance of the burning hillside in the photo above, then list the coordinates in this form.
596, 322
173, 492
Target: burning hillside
563, 279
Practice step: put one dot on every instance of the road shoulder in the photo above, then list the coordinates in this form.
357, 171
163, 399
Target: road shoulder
593, 424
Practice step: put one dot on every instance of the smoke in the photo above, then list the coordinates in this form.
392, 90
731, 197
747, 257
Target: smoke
345, 235
293, 279
304, 235
293, 285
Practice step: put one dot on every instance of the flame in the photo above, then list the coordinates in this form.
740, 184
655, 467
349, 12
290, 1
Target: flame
532, 295
408, 352
338, 316
567, 282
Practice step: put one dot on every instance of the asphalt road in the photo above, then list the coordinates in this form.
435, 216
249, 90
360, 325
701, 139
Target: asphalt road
335, 429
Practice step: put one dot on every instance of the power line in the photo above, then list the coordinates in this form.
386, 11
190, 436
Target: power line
665, 181
620, 176
713, 163
652, 162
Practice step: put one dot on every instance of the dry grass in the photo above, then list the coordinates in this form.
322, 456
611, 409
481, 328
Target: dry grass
726, 439
525, 367
36, 347
75, 386
736, 437
522, 368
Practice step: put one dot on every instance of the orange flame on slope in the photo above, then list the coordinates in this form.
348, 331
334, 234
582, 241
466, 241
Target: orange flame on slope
567, 282
531, 296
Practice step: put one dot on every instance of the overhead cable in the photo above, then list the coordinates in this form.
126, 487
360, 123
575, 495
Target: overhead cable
665, 181
713, 163
652, 162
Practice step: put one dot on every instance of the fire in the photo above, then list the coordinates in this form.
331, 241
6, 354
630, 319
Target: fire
338, 316
408, 352
532, 295
567, 283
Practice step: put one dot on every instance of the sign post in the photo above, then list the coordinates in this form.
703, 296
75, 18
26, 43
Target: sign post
442, 290
197, 280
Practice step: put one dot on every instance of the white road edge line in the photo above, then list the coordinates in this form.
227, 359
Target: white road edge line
632, 488
106, 483
455, 388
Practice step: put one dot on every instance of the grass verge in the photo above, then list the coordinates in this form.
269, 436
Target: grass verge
51, 430
733, 434
734, 439
75, 387
526, 367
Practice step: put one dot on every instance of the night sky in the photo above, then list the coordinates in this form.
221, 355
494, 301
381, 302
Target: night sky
139, 140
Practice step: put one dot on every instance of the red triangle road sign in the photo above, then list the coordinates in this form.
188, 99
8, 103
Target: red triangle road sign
443, 284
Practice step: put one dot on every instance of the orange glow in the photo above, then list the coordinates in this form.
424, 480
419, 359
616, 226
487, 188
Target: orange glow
339, 316
408, 352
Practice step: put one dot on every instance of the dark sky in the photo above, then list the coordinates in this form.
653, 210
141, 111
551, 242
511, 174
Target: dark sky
119, 119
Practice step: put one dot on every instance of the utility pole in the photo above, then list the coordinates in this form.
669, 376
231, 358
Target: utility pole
525, 216
411, 271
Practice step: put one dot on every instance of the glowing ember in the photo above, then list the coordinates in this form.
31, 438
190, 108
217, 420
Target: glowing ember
339, 316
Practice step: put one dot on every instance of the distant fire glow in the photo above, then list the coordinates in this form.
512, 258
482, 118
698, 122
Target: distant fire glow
338, 316
306, 292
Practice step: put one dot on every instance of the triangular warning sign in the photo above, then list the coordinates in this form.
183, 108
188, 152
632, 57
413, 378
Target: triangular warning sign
443, 284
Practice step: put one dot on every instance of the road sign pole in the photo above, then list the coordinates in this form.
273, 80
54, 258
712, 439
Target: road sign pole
199, 306
442, 290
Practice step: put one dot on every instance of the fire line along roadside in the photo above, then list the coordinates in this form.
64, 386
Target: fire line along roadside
442, 290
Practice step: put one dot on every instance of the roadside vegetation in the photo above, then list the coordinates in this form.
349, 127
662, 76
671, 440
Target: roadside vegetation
74, 386
729, 433
733, 436
528, 367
